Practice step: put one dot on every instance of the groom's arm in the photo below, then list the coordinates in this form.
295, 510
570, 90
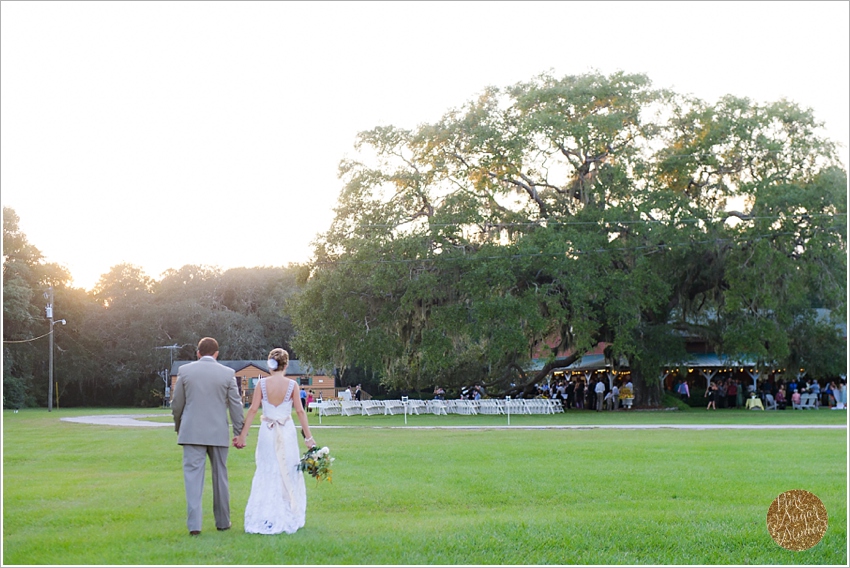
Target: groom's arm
178, 403
234, 402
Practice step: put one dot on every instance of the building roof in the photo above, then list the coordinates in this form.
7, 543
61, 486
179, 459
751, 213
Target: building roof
715, 360
294, 368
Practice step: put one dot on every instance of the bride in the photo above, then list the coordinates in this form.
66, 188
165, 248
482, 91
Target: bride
278, 500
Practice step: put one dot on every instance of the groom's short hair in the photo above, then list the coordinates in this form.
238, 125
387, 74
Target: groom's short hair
207, 346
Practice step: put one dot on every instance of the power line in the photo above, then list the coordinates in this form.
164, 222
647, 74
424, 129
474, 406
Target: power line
81, 346
28, 340
101, 360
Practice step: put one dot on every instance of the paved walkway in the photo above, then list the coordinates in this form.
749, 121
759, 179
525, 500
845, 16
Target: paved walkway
121, 420
133, 420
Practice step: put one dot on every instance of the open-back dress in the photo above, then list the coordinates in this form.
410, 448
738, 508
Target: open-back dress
278, 499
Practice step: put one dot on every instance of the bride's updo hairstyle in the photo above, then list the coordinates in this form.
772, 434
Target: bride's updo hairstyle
280, 356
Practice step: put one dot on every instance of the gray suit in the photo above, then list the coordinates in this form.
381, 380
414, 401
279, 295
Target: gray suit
205, 391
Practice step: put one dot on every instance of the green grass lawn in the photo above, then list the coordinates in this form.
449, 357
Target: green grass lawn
84, 494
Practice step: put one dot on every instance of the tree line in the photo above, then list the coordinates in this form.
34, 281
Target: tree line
112, 350
556, 214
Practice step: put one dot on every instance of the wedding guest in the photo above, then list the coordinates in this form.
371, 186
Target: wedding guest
626, 397
561, 394
780, 398
600, 395
579, 394
684, 391
824, 396
792, 386
830, 391
731, 393
766, 389
711, 394
814, 388
795, 398
721, 393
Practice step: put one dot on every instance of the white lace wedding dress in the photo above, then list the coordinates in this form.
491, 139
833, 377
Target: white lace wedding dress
278, 503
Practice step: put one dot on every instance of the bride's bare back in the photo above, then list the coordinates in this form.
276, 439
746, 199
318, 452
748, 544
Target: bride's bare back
276, 387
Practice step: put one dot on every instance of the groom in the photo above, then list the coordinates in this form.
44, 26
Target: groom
203, 394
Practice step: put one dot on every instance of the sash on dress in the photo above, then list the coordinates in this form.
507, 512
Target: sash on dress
280, 452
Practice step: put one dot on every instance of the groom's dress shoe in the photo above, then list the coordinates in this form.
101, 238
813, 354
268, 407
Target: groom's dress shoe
194, 533
227, 528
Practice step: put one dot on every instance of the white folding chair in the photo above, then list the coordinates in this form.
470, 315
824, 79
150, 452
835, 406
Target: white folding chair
769, 402
414, 406
372, 407
437, 407
489, 406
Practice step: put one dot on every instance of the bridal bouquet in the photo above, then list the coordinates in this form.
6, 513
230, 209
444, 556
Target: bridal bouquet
317, 462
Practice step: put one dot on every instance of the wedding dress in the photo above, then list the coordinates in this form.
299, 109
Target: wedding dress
278, 502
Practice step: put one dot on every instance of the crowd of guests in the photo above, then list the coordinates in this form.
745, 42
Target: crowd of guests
573, 394
475, 392
348, 396
728, 392
724, 392
721, 393
595, 394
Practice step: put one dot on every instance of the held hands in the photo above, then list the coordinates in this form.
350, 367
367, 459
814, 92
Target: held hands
238, 442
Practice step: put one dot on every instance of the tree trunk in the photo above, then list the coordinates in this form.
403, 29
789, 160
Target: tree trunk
648, 391
528, 382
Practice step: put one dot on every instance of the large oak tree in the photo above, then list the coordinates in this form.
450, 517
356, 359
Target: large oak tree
565, 212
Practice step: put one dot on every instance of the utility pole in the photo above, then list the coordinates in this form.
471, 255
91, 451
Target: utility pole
49, 312
171, 349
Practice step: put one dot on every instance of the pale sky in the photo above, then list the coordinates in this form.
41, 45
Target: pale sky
170, 133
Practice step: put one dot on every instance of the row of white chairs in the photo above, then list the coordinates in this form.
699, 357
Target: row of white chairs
438, 407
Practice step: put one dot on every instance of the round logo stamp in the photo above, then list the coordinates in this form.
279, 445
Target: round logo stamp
796, 520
